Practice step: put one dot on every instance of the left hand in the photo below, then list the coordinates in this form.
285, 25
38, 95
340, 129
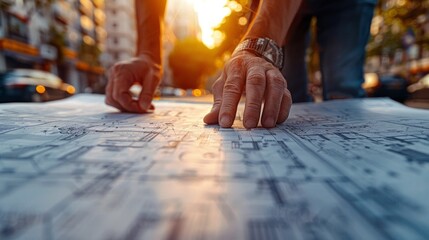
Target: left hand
141, 70
263, 84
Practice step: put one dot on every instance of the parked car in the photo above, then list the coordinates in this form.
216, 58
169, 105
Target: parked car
392, 86
419, 93
27, 85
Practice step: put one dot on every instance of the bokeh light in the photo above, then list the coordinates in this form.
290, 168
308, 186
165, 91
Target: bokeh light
210, 14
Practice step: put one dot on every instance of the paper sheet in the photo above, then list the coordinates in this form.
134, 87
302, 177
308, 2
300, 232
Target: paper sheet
77, 169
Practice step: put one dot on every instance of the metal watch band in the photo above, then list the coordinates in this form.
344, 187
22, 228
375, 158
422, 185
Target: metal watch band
263, 47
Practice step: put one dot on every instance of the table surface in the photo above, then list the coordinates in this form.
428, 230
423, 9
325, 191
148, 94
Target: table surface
346, 169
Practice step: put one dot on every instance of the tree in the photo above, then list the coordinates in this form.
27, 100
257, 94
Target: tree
191, 62
234, 26
398, 19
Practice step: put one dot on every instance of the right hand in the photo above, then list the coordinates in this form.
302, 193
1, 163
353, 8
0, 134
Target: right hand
140, 70
265, 88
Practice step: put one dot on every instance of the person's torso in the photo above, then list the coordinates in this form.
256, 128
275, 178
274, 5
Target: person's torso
318, 6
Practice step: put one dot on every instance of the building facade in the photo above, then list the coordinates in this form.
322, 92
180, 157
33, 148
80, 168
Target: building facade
64, 37
121, 31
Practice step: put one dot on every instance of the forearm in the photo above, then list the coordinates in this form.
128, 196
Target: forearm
149, 24
273, 19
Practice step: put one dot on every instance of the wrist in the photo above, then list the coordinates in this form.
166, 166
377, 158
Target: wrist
262, 47
263, 28
276, 39
150, 57
147, 60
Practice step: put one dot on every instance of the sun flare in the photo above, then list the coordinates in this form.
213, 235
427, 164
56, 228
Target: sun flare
210, 14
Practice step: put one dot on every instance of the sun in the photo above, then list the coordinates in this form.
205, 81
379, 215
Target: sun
210, 14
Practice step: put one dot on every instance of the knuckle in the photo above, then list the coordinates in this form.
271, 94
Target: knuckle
235, 71
217, 102
254, 61
268, 65
253, 106
231, 87
235, 76
278, 82
235, 64
256, 78
276, 79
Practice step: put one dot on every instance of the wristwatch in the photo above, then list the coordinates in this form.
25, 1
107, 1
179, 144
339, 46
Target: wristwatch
263, 47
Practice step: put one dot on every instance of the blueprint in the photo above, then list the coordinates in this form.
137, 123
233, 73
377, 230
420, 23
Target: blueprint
346, 169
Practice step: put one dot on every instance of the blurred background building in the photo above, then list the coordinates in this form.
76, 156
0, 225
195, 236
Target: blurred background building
78, 39
120, 26
398, 51
64, 37
400, 37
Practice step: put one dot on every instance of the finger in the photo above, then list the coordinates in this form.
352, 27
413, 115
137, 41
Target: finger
149, 84
213, 116
255, 89
108, 99
151, 109
114, 104
121, 93
109, 92
273, 98
285, 106
232, 89
110, 88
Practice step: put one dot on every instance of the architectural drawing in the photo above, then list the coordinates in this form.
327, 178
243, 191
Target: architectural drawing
77, 169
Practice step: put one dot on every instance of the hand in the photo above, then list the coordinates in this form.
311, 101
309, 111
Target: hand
142, 70
262, 82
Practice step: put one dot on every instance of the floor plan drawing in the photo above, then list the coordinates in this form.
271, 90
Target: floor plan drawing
346, 169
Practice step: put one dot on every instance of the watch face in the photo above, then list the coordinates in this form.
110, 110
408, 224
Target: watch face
269, 53
265, 48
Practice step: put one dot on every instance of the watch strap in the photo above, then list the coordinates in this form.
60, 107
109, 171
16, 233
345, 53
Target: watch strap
263, 47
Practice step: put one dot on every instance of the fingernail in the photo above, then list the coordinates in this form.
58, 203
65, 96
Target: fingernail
225, 120
250, 123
